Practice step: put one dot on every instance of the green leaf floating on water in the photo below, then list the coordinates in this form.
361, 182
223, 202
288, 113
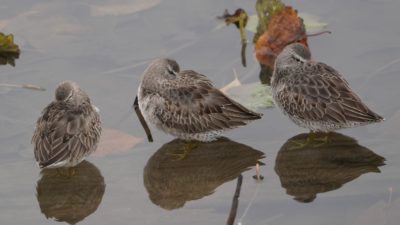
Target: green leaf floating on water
254, 96
7, 43
9, 51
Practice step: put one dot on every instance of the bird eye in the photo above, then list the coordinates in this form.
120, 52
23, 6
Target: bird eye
170, 70
295, 58
69, 96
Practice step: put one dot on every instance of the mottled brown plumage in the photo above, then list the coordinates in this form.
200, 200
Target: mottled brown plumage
68, 129
186, 104
314, 95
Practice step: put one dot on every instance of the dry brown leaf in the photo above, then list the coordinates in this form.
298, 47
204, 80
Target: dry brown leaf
115, 142
284, 28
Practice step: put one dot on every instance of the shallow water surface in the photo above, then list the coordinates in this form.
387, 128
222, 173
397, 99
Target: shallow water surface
106, 45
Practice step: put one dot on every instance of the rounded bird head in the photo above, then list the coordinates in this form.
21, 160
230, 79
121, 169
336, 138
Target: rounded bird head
160, 70
292, 55
71, 93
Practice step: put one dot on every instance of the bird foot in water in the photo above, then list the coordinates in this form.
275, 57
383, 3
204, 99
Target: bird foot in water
188, 146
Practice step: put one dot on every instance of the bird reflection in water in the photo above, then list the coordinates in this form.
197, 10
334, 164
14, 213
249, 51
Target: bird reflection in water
70, 198
317, 168
170, 183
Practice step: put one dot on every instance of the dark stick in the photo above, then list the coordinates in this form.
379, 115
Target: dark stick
141, 119
243, 53
319, 33
235, 201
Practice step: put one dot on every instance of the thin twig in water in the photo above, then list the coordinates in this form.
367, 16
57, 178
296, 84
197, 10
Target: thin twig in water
270, 219
129, 67
125, 68
168, 53
380, 69
243, 53
235, 73
390, 195
235, 201
250, 203
319, 33
25, 86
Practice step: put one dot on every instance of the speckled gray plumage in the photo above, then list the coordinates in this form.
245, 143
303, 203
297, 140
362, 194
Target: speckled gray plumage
185, 103
68, 129
314, 95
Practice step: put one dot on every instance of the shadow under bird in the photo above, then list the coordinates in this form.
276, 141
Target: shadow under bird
185, 104
314, 95
68, 129
171, 183
70, 199
314, 169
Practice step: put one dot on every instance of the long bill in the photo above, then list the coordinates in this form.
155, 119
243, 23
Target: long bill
142, 121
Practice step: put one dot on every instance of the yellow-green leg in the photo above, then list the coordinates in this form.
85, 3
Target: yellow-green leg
323, 140
310, 140
66, 172
299, 144
71, 172
59, 172
188, 146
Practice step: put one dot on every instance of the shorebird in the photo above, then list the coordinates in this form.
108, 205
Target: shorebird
314, 95
68, 129
185, 104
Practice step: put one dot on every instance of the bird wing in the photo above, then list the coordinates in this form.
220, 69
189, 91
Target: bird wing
320, 93
195, 106
63, 134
